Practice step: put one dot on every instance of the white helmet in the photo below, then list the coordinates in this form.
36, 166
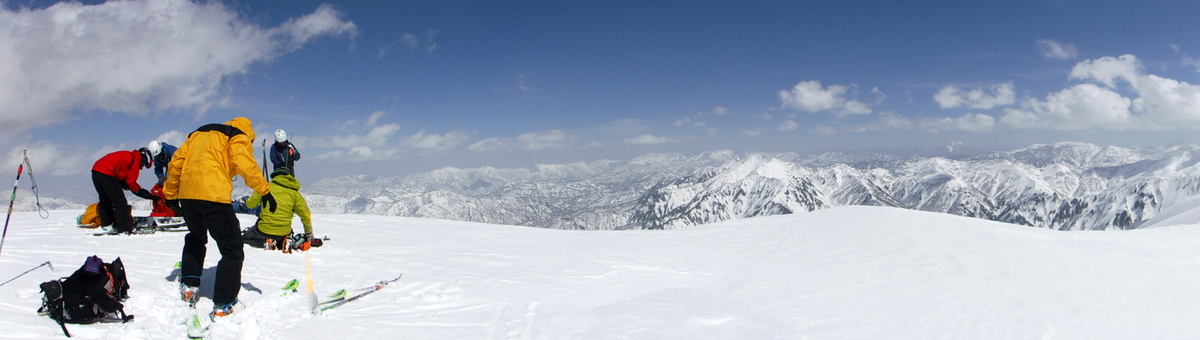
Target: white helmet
280, 136
155, 148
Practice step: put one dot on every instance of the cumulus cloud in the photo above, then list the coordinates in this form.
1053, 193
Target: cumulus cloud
543, 140
135, 57
1083, 106
1116, 94
997, 95
173, 137
361, 140
1109, 70
48, 158
1055, 50
812, 97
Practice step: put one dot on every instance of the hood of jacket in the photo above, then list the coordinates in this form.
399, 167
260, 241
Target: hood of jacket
242, 123
286, 181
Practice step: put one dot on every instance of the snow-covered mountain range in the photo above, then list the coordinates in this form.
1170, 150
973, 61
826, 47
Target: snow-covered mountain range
1068, 186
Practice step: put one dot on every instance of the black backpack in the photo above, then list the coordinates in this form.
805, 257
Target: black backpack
92, 294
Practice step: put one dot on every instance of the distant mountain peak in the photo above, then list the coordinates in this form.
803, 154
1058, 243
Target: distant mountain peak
1066, 185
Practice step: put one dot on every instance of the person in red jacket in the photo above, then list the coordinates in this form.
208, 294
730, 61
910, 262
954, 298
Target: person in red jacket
112, 175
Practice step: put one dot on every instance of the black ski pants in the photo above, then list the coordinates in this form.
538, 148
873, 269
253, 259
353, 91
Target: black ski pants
206, 218
113, 208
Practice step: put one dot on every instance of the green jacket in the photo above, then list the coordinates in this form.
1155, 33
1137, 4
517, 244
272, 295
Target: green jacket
286, 190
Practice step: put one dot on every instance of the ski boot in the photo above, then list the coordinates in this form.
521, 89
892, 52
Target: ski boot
189, 294
222, 310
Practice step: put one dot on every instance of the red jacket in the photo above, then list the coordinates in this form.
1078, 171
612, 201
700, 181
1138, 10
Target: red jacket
122, 165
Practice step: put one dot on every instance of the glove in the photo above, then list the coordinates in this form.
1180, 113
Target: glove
268, 201
143, 193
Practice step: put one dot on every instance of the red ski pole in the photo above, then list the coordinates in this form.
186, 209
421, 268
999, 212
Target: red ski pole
12, 199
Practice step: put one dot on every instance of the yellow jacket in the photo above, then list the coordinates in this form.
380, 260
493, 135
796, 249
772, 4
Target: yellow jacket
204, 166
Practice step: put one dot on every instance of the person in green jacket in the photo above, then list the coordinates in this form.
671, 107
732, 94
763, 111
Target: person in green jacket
273, 230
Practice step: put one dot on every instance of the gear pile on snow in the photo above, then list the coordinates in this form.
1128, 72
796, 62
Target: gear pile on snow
92, 294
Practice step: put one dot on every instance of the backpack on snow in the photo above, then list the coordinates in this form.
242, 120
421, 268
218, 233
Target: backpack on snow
92, 294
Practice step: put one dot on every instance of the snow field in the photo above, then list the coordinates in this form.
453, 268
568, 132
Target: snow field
840, 273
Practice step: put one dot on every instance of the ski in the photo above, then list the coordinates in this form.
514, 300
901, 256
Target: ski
140, 231
371, 289
290, 287
335, 297
195, 329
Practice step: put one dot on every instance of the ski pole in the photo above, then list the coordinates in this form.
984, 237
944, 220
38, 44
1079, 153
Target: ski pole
264, 165
47, 263
11, 200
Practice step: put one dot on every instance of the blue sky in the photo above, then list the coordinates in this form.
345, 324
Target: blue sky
396, 87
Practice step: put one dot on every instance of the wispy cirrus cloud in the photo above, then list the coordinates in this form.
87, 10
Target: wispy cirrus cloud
554, 139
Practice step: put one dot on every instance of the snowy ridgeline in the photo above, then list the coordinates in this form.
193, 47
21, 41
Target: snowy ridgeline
1067, 186
837, 273
1059, 186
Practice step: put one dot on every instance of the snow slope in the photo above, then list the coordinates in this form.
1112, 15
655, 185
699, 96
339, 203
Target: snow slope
843, 273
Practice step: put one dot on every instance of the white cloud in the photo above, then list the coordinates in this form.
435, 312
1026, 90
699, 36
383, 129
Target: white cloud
648, 140
136, 56
1109, 70
971, 122
812, 97
525, 82
173, 137
788, 125
997, 95
699, 119
543, 140
374, 117
1056, 50
47, 158
887, 121
1117, 95
410, 40
879, 95
688, 122
436, 142
1083, 106
368, 142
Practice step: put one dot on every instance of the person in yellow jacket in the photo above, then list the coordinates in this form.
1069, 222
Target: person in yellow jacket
274, 228
200, 181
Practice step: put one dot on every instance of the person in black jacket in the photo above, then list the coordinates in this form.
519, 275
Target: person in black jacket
284, 153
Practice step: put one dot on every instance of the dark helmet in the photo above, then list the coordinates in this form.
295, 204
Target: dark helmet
147, 159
